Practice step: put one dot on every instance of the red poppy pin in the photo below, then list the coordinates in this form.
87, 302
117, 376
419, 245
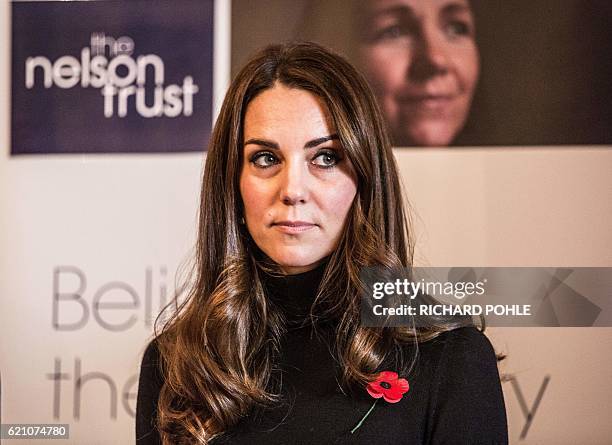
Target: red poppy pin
387, 386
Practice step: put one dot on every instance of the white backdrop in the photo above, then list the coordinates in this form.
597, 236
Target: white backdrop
90, 246
114, 228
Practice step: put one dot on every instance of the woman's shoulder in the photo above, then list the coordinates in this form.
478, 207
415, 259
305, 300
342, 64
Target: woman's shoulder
464, 343
151, 353
460, 367
149, 385
151, 375
151, 365
458, 360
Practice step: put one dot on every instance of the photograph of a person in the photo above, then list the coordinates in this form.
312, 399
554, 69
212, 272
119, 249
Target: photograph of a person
268, 347
460, 73
422, 61
306, 222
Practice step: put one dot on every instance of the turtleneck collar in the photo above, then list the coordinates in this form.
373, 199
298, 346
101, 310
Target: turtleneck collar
293, 295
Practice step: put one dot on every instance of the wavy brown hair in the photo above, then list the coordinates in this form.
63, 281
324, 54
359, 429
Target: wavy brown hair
219, 345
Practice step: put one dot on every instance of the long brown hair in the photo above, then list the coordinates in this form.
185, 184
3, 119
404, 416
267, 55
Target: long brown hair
219, 345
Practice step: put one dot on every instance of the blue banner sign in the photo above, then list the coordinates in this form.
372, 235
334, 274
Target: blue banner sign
111, 76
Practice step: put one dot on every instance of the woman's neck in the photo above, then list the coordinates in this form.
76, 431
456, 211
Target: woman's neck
293, 295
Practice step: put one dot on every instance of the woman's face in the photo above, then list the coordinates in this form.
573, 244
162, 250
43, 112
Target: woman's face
296, 183
422, 62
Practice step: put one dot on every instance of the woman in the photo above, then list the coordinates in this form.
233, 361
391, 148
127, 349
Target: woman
420, 57
423, 63
300, 193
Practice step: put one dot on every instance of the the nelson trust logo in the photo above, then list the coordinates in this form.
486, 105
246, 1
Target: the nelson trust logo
126, 77
123, 78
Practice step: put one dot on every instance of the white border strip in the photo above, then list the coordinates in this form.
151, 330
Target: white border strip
222, 34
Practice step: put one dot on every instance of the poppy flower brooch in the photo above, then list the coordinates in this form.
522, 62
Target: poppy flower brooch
387, 386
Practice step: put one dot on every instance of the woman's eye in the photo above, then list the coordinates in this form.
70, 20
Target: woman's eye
391, 32
457, 29
326, 159
264, 160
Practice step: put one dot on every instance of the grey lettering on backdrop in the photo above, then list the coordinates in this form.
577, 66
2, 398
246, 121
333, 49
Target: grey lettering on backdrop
78, 379
74, 295
528, 413
57, 375
70, 286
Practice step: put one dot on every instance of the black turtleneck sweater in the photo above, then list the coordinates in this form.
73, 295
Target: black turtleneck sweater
455, 395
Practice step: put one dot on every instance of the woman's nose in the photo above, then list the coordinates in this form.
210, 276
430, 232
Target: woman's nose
294, 184
430, 57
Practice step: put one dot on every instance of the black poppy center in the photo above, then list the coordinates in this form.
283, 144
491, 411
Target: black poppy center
385, 385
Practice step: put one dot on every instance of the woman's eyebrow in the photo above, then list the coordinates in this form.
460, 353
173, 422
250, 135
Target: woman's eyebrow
263, 143
455, 8
319, 141
399, 11
275, 146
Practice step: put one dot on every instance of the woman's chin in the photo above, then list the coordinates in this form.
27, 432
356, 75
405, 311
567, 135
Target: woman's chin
426, 135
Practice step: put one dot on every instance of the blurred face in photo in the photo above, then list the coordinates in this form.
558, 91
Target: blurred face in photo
422, 61
297, 185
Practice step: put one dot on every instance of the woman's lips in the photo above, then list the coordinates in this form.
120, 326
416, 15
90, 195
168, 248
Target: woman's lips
434, 105
293, 226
